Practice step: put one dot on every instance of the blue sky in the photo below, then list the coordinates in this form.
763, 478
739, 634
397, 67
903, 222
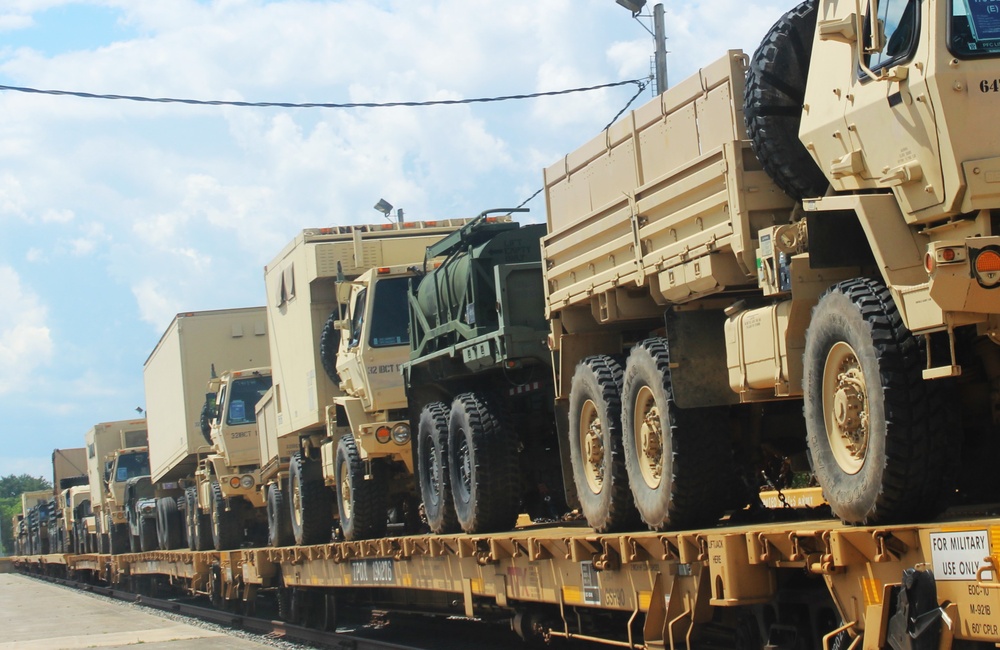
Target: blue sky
115, 216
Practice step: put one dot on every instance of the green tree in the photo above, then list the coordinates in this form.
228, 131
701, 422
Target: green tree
11, 488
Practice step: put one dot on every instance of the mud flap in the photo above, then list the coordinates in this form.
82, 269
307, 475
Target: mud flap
916, 622
699, 375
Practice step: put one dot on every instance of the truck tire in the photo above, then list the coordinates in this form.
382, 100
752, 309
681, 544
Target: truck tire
199, 524
147, 534
279, 523
772, 103
877, 432
168, 524
678, 460
119, 539
483, 466
190, 512
595, 445
311, 507
227, 533
362, 503
432, 469
329, 342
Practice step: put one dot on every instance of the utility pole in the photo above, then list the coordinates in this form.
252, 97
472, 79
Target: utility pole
660, 36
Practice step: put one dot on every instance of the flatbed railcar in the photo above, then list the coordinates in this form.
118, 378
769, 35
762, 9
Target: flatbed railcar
788, 585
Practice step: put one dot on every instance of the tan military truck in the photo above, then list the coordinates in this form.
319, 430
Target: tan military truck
36, 507
107, 474
70, 486
203, 447
814, 228
337, 315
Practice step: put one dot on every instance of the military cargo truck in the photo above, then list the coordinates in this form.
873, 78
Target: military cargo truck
814, 228
69, 472
107, 473
205, 485
479, 380
337, 317
70, 502
36, 510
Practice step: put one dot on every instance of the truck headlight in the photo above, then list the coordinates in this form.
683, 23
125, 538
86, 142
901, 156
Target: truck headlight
246, 482
383, 435
401, 433
986, 266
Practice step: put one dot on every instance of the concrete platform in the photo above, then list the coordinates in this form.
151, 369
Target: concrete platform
38, 615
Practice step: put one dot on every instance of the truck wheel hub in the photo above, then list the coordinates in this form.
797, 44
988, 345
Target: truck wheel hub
649, 437
844, 396
592, 445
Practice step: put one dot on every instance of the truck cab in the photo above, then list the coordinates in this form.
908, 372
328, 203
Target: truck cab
374, 344
124, 465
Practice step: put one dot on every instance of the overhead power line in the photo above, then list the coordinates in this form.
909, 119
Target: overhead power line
642, 86
218, 102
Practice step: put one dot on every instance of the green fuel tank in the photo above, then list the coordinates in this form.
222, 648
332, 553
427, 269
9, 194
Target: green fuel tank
458, 301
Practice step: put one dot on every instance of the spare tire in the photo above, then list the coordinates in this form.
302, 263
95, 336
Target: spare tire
772, 103
329, 342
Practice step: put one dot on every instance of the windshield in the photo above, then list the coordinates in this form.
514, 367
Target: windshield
974, 28
131, 465
243, 397
390, 318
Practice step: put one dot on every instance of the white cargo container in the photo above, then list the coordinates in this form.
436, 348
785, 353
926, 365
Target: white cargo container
176, 375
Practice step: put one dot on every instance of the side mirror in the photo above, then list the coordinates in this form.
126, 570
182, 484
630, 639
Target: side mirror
344, 292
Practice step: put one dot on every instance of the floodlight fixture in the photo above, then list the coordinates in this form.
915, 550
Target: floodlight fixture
635, 6
384, 207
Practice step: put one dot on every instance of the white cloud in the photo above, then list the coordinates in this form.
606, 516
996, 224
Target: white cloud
61, 216
25, 341
11, 22
156, 306
93, 234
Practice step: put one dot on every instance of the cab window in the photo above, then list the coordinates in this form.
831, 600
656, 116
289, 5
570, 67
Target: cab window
358, 317
901, 22
390, 314
974, 28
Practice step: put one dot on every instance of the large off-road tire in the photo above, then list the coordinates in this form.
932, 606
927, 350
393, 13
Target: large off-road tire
168, 524
119, 539
147, 534
595, 445
482, 465
190, 513
877, 432
772, 103
329, 342
679, 461
362, 503
199, 523
311, 507
279, 523
227, 533
134, 543
432, 469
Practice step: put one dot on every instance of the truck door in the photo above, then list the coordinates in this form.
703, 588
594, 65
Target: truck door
386, 342
891, 116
